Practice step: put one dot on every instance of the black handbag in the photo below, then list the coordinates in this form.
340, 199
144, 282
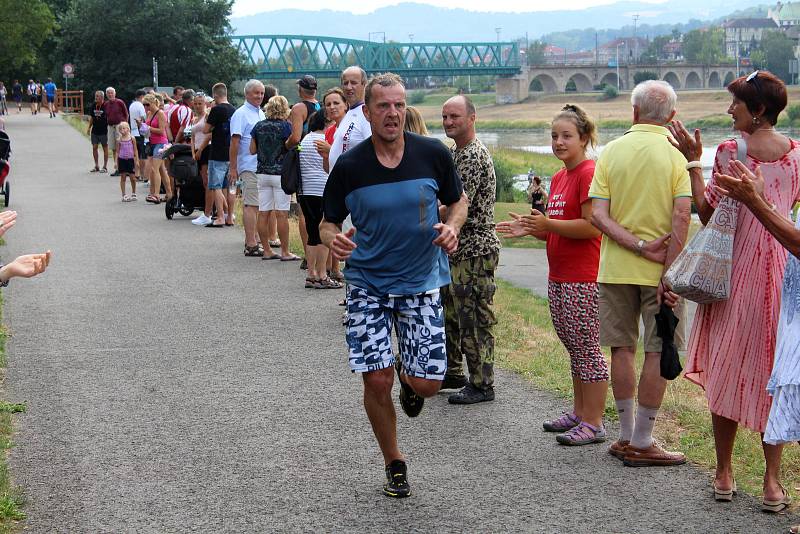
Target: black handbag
290, 171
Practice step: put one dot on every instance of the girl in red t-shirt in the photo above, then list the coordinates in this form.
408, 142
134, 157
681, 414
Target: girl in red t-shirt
573, 253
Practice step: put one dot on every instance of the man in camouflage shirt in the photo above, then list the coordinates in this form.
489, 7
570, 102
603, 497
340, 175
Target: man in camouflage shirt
468, 300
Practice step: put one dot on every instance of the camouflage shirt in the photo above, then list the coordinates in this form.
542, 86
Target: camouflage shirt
477, 237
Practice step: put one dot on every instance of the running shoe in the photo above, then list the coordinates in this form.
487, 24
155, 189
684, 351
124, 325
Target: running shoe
396, 482
409, 400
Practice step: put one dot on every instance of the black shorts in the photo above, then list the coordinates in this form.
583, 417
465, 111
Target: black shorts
126, 166
140, 147
204, 156
312, 209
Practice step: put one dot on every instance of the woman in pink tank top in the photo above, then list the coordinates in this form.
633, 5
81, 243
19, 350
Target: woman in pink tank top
157, 123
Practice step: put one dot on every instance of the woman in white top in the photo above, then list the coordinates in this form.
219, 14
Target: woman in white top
201, 148
313, 180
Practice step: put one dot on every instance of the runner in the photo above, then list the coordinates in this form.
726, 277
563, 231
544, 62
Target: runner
16, 93
3, 95
50, 93
31, 90
390, 187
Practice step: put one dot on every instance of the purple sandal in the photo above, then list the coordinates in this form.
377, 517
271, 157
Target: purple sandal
563, 423
583, 434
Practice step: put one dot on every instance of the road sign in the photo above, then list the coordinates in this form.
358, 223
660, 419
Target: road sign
69, 70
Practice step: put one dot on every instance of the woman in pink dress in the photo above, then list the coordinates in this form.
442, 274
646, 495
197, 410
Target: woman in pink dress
732, 344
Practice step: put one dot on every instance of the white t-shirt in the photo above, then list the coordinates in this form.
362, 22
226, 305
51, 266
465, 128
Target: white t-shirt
136, 111
242, 122
353, 129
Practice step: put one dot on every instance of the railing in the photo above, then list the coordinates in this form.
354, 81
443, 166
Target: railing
69, 101
288, 56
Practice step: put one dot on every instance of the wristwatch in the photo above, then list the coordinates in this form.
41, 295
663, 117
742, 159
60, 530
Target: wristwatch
3, 283
639, 247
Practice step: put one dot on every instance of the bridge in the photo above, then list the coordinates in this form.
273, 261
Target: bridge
555, 78
289, 56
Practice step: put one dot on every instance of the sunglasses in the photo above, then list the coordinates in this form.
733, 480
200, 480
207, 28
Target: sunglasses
753, 78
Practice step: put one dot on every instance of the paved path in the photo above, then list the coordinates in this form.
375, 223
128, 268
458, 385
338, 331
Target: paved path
174, 385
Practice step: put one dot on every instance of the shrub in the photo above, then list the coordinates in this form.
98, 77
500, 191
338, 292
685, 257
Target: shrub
609, 93
416, 97
644, 75
504, 171
793, 112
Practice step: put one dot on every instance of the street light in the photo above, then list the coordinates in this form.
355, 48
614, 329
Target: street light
497, 30
618, 45
369, 36
411, 37
635, 41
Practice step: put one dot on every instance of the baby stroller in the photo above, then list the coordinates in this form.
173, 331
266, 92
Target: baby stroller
189, 192
5, 154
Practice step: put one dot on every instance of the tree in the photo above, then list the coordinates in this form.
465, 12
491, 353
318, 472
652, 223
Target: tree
644, 75
705, 46
189, 38
535, 52
24, 26
777, 51
655, 49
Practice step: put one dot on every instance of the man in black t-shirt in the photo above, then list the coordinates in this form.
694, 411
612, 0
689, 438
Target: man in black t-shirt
396, 261
16, 93
218, 124
98, 130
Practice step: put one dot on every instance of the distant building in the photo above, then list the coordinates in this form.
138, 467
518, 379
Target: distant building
744, 35
630, 50
785, 15
672, 51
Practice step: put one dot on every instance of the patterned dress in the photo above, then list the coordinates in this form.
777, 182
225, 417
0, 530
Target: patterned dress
732, 344
783, 424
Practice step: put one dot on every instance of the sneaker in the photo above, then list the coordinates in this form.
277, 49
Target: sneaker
304, 265
618, 449
396, 481
409, 400
471, 395
453, 382
583, 434
651, 456
563, 423
202, 220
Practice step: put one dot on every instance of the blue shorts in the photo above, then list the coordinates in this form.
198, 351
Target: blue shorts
420, 333
154, 150
217, 174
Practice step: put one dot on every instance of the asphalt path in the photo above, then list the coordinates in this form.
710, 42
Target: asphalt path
173, 385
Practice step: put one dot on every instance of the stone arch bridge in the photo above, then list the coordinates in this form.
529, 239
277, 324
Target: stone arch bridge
554, 78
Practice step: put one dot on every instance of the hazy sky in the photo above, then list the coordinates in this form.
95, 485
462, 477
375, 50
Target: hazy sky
249, 7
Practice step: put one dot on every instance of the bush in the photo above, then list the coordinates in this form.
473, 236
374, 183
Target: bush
793, 112
609, 93
644, 75
504, 171
416, 97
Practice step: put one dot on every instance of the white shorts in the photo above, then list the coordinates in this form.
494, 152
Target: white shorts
270, 195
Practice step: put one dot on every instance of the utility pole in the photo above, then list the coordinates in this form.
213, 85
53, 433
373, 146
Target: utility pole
635, 40
497, 30
596, 50
155, 74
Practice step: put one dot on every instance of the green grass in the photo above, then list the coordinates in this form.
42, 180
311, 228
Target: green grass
76, 122
522, 160
501, 213
527, 344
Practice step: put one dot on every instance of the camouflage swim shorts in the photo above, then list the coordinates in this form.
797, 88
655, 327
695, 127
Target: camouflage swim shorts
420, 332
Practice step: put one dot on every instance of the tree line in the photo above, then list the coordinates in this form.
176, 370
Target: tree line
113, 43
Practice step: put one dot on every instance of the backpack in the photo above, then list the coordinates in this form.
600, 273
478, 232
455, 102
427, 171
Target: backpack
290, 171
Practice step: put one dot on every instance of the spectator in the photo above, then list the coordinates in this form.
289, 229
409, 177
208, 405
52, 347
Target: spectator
243, 164
116, 112
354, 128
180, 116
414, 121
16, 93
156, 121
50, 93
468, 300
730, 358
270, 91
3, 96
641, 203
98, 130
218, 123
268, 138
127, 160
201, 148
537, 195
314, 179
137, 116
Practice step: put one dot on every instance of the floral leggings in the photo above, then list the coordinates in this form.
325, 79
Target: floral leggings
574, 309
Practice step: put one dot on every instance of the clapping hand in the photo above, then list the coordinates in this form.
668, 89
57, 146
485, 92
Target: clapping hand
26, 266
512, 228
745, 186
7, 221
691, 146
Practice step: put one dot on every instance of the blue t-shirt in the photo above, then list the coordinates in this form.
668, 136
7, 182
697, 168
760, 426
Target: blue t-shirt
394, 211
50, 89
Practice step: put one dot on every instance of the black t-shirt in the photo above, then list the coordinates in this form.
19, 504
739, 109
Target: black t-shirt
16, 89
220, 119
99, 121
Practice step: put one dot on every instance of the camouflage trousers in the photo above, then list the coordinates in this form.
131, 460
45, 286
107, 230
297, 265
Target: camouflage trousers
469, 319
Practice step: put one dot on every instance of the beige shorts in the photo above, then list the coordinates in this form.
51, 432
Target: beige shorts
249, 188
621, 306
112, 137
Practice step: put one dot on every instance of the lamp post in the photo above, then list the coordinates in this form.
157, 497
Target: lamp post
635, 40
497, 30
618, 66
411, 37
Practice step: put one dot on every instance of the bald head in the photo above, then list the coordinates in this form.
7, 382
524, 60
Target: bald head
354, 82
458, 120
464, 101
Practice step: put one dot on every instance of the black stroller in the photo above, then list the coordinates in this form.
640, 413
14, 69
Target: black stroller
5, 167
189, 192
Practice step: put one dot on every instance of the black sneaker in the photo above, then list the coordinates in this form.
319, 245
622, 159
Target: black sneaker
396, 481
115, 173
453, 382
471, 395
409, 400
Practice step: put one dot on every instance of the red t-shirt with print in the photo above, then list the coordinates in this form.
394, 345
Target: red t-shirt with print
571, 260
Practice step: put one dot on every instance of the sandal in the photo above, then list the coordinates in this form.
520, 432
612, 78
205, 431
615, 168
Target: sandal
311, 283
290, 257
96, 169
722, 495
104, 170
274, 243
779, 505
126, 198
152, 199
338, 276
272, 256
253, 251
583, 434
328, 283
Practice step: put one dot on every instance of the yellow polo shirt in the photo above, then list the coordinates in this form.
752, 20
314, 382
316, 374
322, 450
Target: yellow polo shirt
640, 174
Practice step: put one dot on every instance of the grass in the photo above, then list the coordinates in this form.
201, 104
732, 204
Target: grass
76, 122
522, 160
527, 344
501, 213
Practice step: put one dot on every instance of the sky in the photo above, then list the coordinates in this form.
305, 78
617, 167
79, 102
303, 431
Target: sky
250, 7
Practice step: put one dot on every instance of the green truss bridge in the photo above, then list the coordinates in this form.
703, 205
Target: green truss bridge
290, 56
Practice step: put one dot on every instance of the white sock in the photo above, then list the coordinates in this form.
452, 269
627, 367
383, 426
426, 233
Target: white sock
643, 431
625, 411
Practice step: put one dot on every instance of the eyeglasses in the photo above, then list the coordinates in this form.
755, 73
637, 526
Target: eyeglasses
753, 78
